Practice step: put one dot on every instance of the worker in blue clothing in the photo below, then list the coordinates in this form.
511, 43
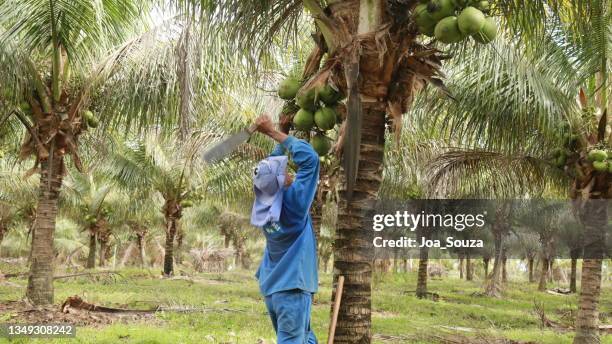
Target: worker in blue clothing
288, 272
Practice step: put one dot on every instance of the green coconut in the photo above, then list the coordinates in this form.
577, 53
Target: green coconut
94, 122
325, 118
186, 203
91, 219
600, 166
425, 22
427, 31
289, 87
307, 99
471, 20
483, 6
303, 120
439, 9
91, 119
488, 32
597, 155
447, 30
321, 144
329, 95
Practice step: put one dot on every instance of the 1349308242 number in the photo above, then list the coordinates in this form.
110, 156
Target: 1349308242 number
37, 330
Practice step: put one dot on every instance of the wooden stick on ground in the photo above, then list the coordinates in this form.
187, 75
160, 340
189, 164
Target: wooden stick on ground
334, 320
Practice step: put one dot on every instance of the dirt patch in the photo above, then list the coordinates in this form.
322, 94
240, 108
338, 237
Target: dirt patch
23, 312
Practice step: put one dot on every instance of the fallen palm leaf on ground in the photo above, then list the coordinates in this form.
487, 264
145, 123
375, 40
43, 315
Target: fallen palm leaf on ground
76, 303
24, 312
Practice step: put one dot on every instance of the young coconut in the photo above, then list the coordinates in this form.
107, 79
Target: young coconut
439, 9
321, 144
425, 22
600, 166
289, 87
447, 30
91, 119
303, 120
329, 95
325, 118
307, 99
186, 203
597, 155
471, 20
488, 32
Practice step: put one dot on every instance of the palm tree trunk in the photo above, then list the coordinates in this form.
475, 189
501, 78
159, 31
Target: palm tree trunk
504, 269
530, 267
493, 286
421, 289
2, 231
574, 254
126, 255
543, 274
352, 256
469, 272
91, 257
587, 320
594, 217
485, 262
178, 256
40, 280
103, 251
169, 248
141, 250
573, 275
551, 271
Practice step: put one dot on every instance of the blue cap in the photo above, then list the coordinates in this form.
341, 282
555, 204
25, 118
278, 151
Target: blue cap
268, 183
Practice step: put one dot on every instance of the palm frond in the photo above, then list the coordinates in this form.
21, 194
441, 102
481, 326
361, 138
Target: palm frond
477, 173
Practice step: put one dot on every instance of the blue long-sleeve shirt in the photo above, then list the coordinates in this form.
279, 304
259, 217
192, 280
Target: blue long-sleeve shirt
290, 257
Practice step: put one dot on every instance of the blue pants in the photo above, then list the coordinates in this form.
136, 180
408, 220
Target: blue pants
290, 314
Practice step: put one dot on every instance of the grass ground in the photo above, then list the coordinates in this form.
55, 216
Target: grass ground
236, 314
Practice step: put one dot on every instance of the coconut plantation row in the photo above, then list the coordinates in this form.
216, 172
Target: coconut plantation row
116, 219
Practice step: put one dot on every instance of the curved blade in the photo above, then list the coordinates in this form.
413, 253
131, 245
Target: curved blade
226, 146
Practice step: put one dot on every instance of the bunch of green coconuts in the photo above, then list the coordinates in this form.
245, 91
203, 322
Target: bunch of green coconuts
315, 110
451, 21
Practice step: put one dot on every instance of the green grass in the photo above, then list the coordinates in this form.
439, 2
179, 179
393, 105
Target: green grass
237, 314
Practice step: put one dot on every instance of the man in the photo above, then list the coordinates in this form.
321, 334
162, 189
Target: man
288, 271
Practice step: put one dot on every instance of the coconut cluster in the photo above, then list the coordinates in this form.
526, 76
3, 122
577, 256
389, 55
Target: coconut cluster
600, 160
451, 21
91, 119
315, 110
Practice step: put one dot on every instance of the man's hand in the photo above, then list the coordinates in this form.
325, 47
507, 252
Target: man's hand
266, 126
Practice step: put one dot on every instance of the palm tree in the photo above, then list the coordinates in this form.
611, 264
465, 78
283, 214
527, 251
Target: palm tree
47, 50
87, 203
571, 236
256, 23
165, 167
541, 217
62, 59
538, 84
